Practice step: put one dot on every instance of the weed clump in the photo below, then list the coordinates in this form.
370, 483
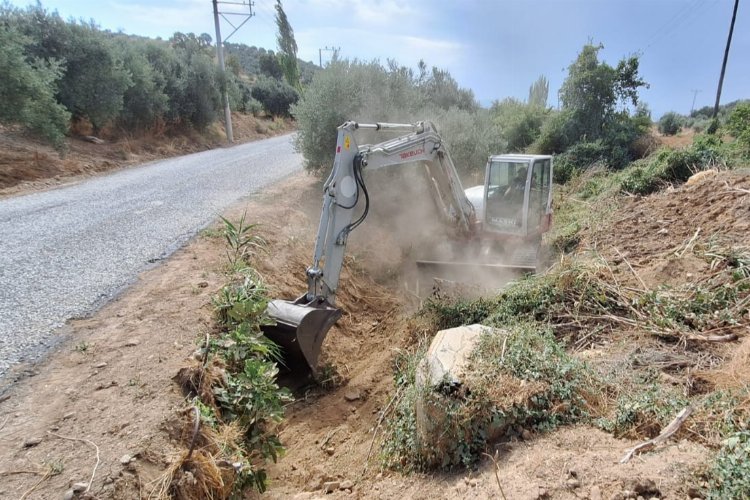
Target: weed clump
519, 378
729, 476
234, 387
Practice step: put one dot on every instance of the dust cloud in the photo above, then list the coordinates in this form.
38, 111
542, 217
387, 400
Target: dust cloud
405, 226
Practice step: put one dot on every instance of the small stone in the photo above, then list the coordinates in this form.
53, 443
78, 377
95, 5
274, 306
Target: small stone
346, 485
595, 493
54, 428
379, 476
132, 343
526, 435
352, 395
69, 495
642, 487
314, 484
125, 459
32, 442
542, 494
473, 483
69, 415
79, 487
572, 483
330, 486
330, 450
694, 492
663, 230
100, 365
202, 284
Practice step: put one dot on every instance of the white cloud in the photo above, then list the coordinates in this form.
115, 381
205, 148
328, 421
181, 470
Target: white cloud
373, 12
188, 15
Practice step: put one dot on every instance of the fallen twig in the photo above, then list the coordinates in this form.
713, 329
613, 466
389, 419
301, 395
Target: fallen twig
497, 476
673, 426
87, 441
713, 338
196, 428
689, 244
36, 485
645, 288
377, 427
14, 472
735, 189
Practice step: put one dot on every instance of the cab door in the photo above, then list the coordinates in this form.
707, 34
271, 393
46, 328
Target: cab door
539, 196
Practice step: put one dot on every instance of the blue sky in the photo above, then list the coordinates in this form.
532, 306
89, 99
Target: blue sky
496, 48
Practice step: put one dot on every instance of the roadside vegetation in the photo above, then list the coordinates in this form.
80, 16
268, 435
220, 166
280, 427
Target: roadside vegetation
232, 390
71, 77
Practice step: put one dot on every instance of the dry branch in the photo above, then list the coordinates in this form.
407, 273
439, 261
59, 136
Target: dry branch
668, 431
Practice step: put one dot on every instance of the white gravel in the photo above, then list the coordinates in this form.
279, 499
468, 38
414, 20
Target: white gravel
65, 252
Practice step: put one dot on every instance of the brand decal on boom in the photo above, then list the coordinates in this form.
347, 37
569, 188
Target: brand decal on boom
409, 154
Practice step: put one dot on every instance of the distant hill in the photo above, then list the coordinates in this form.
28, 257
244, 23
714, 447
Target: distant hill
248, 57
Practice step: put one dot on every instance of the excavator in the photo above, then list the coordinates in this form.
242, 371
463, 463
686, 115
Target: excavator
511, 210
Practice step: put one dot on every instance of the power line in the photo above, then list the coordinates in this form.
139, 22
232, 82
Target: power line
682, 16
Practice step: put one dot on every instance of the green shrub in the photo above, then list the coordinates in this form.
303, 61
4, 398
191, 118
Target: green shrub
275, 96
27, 89
389, 93
519, 124
670, 123
579, 157
738, 124
729, 476
643, 413
253, 106
666, 167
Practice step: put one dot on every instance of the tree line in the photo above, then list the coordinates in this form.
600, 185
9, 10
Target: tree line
58, 72
600, 117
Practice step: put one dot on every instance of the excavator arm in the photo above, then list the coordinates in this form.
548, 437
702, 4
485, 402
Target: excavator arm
303, 324
345, 188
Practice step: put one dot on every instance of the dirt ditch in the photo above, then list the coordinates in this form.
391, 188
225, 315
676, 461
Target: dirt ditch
100, 407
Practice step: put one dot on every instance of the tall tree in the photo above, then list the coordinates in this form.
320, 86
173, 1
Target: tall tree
593, 90
287, 47
538, 92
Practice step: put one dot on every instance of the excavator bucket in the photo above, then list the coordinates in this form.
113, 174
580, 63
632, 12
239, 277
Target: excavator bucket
300, 330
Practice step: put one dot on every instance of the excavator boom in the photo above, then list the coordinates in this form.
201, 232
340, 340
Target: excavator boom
302, 324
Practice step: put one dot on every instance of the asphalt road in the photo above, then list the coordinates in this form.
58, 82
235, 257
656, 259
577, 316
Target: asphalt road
65, 252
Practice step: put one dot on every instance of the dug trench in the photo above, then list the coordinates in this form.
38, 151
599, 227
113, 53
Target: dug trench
98, 410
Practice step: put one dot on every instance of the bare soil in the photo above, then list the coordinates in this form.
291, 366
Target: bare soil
110, 381
29, 165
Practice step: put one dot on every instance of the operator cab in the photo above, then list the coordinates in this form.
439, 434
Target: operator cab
516, 199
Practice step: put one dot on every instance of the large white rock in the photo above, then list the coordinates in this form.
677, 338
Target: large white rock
448, 355
444, 365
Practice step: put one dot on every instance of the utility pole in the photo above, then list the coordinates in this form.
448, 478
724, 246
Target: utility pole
220, 50
726, 56
320, 53
692, 106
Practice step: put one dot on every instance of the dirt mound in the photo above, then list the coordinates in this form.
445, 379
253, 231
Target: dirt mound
655, 234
